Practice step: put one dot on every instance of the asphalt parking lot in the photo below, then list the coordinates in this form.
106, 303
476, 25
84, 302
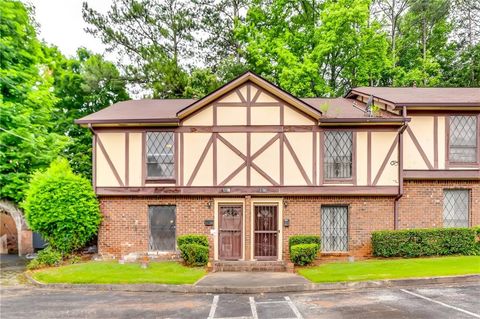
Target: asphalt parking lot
422, 302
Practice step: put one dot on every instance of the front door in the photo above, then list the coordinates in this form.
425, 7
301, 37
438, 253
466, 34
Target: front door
230, 232
162, 228
265, 232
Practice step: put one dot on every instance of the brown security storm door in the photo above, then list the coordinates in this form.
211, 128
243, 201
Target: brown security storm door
230, 223
265, 232
162, 228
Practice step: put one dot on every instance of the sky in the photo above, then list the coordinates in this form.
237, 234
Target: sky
61, 24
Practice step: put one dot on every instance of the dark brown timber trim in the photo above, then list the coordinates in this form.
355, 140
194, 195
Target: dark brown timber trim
181, 172
214, 158
233, 148
127, 157
456, 174
321, 158
233, 174
200, 161
369, 158
264, 147
249, 140
314, 159
144, 157
297, 161
109, 161
266, 191
435, 142
419, 148
265, 175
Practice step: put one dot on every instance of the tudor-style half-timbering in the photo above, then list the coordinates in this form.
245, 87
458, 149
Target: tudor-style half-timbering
248, 137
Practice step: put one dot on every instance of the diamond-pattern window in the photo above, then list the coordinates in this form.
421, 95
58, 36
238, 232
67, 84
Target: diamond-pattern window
338, 154
334, 228
160, 155
455, 207
463, 139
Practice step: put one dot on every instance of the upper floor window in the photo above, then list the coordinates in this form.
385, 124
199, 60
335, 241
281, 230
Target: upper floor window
337, 161
463, 139
455, 207
160, 155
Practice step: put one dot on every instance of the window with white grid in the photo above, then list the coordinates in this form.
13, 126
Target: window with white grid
456, 207
160, 155
463, 139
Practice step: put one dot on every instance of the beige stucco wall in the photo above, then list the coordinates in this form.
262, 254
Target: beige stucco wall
269, 162
292, 117
362, 159
194, 144
114, 144
381, 143
422, 128
231, 115
201, 118
135, 159
265, 115
302, 145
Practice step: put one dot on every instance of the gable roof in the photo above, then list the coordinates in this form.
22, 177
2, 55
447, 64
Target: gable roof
261, 82
421, 97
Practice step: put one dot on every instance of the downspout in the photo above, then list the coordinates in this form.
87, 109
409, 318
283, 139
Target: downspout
94, 156
400, 169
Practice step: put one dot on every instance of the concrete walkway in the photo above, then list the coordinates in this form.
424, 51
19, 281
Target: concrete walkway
251, 279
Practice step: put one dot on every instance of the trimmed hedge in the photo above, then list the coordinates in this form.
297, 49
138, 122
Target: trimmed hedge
192, 239
303, 239
194, 254
425, 242
194, 249
303, 254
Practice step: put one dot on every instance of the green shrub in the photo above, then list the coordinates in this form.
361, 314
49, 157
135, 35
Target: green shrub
192, 239
303, 254
45, 258
62, 207
303, 239
424, 242
194, 254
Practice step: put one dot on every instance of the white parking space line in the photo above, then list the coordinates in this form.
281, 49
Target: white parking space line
441, 303
253, 307
214, 307
293, 307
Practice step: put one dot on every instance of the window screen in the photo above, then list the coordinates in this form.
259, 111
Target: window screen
338, 155
160, 155
455, 207
463, 139
334, 228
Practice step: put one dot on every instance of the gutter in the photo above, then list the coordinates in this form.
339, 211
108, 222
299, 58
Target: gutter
400, 168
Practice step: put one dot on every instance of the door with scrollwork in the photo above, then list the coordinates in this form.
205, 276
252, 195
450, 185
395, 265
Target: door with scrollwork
266, 232
230, 232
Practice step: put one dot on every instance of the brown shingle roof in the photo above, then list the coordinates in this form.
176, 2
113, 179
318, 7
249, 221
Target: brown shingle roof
413, 96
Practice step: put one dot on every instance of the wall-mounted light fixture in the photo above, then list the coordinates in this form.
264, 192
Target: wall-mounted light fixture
208, 222
286, 222
285, 204
209, 204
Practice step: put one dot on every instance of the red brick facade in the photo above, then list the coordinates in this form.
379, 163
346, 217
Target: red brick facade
125, 226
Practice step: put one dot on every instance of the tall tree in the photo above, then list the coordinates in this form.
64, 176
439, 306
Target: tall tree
154, 39
83, 84
27, 138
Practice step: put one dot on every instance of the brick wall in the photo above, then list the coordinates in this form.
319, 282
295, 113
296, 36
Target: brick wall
125, 224
422, 203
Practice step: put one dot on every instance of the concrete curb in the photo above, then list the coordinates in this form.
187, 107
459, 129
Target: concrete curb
310, 287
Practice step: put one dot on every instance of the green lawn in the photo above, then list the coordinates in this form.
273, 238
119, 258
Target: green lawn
392, 269
113, 273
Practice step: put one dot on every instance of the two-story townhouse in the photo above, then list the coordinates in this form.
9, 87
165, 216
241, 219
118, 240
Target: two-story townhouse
250, 165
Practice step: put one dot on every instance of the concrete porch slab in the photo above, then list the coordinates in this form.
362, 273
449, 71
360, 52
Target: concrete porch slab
251, 279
